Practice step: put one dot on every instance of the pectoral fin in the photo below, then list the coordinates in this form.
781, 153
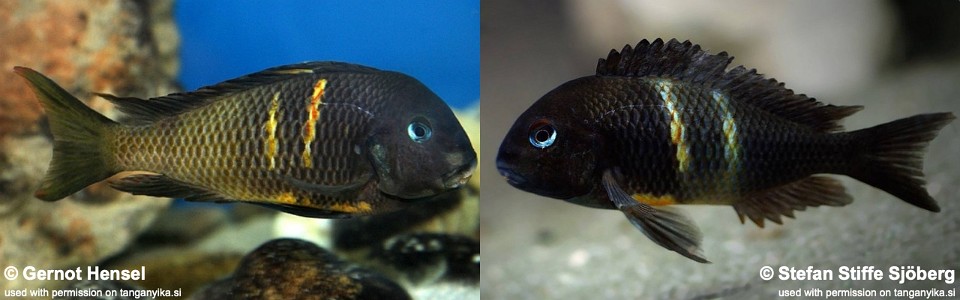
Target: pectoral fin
666, 227
331, 190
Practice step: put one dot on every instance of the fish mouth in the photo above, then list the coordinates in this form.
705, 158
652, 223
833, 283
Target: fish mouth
458, 177
511, 176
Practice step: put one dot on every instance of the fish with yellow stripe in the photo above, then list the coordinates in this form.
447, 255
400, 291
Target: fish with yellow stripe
665, 123
319, 139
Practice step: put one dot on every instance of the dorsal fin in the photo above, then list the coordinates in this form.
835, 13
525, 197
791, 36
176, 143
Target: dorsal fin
151, 109
769, 95
681, 61
689, 63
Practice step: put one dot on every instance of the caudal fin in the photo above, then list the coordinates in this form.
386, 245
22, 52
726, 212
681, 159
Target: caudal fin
78, 139
892, 156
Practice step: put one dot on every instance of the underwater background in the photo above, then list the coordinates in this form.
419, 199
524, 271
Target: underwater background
153, 48
896, 58
437, 42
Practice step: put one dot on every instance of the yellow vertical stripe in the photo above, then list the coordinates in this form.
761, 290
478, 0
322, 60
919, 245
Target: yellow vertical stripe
270, 144
677, 130
732, 145
310, 126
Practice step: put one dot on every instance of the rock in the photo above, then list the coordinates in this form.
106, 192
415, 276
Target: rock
429, 258
178, 268
297, 269
429, 242
121, 47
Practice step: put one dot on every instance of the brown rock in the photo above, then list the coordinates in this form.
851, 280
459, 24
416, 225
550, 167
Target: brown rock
297, 269
89, 46
102, 46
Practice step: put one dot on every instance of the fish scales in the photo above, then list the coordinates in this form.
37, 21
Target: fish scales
218, 142
667, 123
765, 150
320, 139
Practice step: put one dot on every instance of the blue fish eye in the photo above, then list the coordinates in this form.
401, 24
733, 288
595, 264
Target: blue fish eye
419, 131
543, 136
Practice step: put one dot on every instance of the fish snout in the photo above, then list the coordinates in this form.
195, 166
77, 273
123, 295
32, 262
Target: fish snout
507, 171
459, 176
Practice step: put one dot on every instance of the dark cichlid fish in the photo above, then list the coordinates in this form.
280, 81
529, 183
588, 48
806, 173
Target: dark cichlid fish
667, 123
319, 139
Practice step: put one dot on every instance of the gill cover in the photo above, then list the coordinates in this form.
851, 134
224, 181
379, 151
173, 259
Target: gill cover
422, 150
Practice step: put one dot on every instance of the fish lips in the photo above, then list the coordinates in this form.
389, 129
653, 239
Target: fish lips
512, 177
451, 180
459, 176
520, 181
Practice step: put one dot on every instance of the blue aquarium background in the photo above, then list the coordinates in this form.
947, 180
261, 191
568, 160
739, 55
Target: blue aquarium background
437, 42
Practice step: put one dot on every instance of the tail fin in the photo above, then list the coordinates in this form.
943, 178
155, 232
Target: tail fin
892, 156
78, 135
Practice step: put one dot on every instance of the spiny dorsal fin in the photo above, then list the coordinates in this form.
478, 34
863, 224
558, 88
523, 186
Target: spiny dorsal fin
689, 63
681, 61
148, 110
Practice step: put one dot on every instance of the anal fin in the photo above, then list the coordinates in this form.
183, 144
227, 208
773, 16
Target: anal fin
308, 212
163, 186
798, 195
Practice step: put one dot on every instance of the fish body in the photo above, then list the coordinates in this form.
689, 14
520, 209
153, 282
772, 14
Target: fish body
665, 123
320, 139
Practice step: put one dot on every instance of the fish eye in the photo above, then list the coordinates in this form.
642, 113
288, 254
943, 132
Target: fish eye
419, 130
542, 134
